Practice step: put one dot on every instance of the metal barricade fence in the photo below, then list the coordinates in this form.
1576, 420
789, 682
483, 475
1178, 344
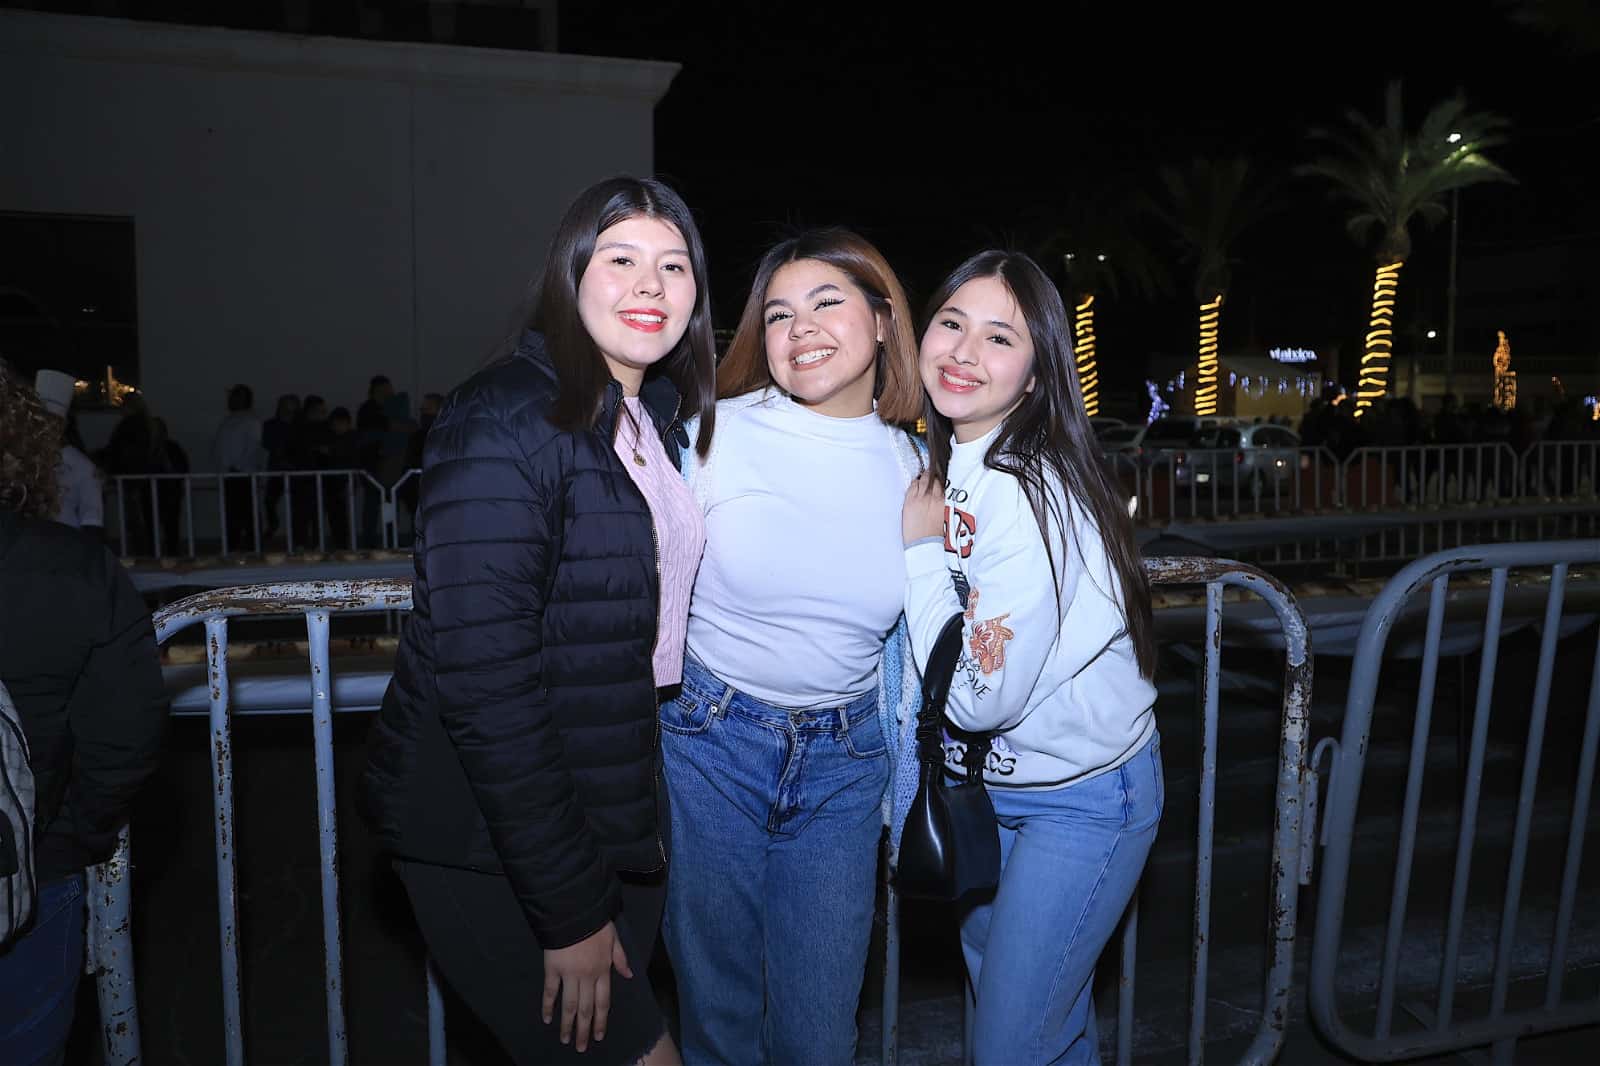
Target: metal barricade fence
1444, 1031
156, 514
1290, 797
110, 955
1561, 469
111, 935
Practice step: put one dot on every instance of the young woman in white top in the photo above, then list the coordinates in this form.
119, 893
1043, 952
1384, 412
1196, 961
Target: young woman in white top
796, 686
1018, 528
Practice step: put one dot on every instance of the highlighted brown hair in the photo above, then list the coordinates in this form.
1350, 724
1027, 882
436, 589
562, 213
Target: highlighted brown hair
30, 449
898, 388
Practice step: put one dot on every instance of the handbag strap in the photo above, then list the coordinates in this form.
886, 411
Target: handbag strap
936, 680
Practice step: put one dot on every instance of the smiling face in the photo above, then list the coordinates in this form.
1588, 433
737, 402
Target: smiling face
822, 338
636, 295
977, 357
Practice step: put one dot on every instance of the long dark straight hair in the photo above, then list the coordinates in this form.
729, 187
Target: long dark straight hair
580, 368
1046, 440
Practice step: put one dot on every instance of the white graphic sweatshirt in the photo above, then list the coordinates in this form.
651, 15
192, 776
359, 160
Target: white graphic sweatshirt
1061, 688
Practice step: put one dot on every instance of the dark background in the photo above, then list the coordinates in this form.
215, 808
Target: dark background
937, 130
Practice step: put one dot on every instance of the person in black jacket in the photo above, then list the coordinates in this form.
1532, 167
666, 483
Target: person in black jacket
513, 770
78, 656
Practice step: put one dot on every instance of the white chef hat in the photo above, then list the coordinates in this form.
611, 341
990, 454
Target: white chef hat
55, 390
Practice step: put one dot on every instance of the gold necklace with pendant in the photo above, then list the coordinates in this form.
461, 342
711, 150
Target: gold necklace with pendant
638, 432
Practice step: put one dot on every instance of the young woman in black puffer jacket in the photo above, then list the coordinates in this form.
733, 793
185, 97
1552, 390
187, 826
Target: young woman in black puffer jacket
513, 770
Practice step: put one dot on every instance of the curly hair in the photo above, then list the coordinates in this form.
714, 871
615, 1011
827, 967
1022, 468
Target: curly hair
30, 449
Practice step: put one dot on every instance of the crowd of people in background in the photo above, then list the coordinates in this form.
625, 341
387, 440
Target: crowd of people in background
1397, 421
382, 440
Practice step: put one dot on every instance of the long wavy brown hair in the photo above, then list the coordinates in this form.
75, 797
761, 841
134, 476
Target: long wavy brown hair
30, 449
898, 389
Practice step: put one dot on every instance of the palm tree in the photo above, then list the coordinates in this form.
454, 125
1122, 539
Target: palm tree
1096, 253
1208, 205
1391, 175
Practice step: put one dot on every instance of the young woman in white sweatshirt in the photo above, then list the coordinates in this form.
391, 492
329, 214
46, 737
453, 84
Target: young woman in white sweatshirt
1017, 528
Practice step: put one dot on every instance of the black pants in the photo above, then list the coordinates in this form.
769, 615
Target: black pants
239, 496
481, 943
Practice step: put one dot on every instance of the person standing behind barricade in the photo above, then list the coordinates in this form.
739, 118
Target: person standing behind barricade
1055, 677
426, 413
513, 768
779, 749
134, 450
78, 479
237, 450
275, 436
308, 451
343, 454
78, 659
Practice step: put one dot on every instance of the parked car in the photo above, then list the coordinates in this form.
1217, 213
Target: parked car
1169, 435
1260, 458
1122, 438
1101, 423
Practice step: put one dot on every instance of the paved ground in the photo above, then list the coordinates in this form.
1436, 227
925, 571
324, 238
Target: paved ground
176, 926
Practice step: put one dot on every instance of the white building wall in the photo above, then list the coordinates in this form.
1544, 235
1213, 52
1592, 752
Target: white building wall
309, 212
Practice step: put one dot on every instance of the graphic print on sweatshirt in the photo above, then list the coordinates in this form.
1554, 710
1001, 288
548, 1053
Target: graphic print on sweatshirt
1052, 671
985, 650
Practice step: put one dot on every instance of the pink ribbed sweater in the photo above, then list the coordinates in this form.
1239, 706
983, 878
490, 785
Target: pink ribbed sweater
680, 533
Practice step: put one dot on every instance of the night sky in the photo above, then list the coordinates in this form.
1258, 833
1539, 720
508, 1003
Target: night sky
938, 130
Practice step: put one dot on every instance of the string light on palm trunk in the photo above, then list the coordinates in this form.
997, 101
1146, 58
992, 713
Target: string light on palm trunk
1505, 379
1374, 380
1205, 391
1083, 348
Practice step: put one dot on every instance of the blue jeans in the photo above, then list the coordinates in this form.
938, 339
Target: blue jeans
1071, 859
39, 977
775, 830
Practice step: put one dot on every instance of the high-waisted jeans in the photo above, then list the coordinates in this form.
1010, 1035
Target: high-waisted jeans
1071, 858
775, 827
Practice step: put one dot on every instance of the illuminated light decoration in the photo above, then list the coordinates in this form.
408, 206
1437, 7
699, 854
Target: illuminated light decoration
1283, 386
1083, 349
922, 426
1292, 355
116, 391
1505, 379
1233, 379
1205, 392
1158, 406
1374, 380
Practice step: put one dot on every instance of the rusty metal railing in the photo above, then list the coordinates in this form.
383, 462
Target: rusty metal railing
1288, 855
1440, 1028
111, 951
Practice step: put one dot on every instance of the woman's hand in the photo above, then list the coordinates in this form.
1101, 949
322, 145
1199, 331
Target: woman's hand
923, 513
581, 972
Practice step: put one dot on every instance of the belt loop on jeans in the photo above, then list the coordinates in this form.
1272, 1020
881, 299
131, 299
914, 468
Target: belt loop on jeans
720, 705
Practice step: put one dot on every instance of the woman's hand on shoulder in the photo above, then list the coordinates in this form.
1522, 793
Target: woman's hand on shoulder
923, 513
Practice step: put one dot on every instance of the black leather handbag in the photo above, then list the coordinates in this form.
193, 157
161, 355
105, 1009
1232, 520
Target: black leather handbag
950, 845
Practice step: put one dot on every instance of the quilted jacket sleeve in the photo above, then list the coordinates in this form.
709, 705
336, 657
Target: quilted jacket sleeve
117, 712
493, 539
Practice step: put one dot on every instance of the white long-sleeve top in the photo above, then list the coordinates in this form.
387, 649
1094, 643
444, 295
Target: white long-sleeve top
802, 577
82, 492
1058, 685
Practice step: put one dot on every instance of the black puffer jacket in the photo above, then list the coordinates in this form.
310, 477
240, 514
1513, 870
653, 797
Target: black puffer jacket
519, 733
78, 655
